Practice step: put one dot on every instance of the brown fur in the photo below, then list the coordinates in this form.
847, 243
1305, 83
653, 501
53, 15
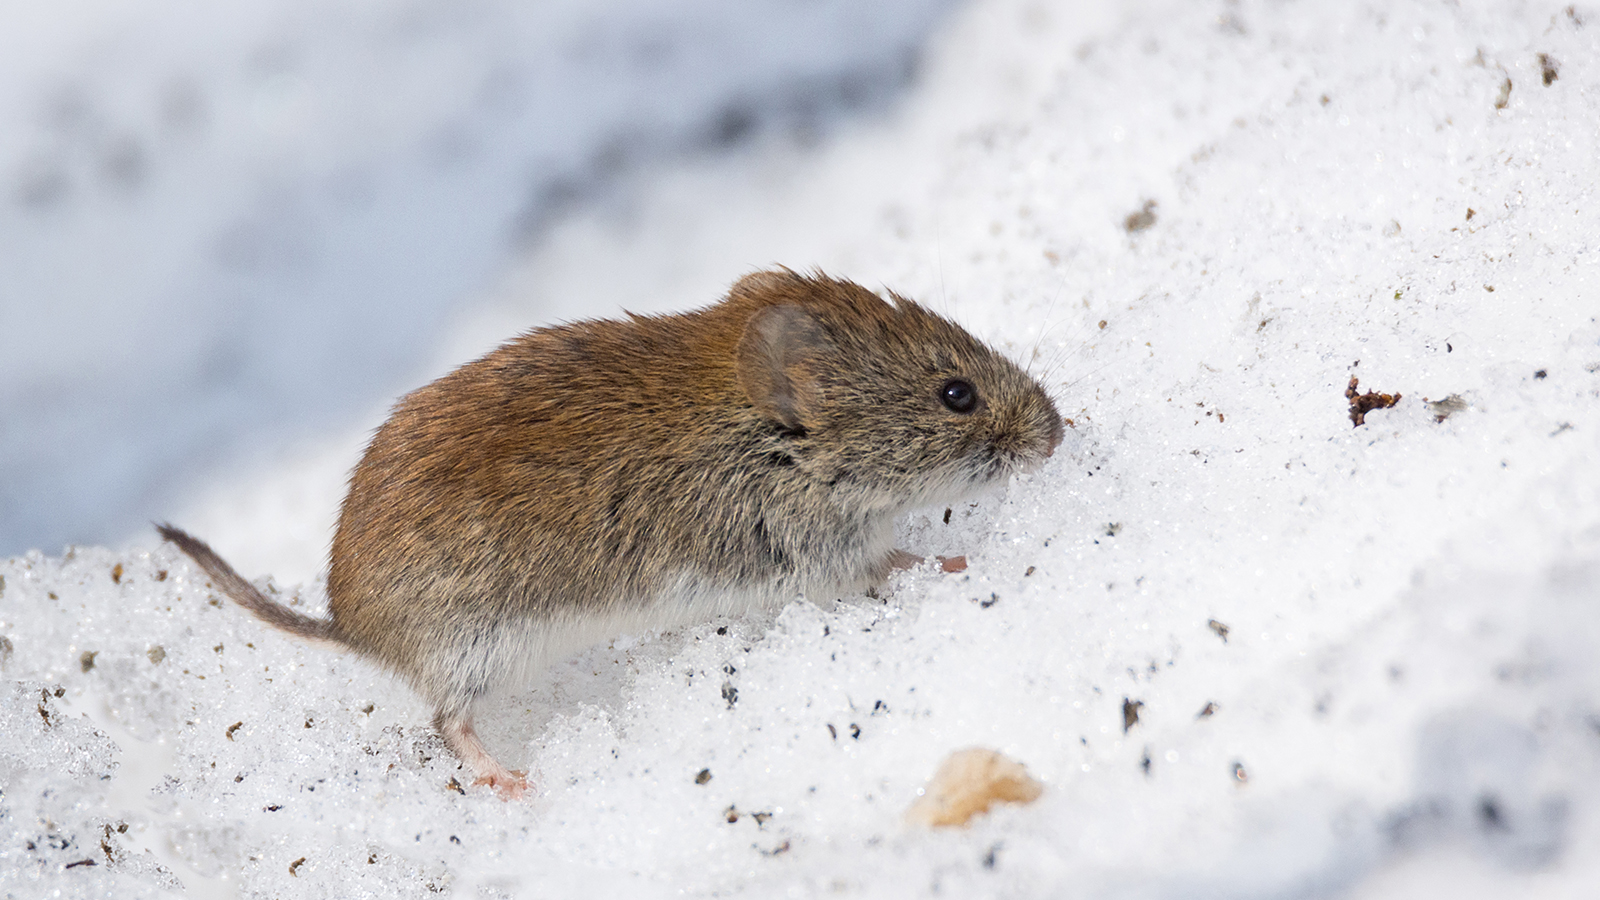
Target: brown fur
654, 470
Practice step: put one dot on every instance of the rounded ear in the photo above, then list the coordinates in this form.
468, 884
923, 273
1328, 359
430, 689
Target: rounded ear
772, 358
767, 283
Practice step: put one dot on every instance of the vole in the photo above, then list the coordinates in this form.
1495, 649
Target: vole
589, 479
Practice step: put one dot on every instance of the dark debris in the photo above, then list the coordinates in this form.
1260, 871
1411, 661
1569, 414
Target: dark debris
1361, 404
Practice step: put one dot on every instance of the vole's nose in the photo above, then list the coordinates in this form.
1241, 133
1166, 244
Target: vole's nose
1055, 436
1056, 430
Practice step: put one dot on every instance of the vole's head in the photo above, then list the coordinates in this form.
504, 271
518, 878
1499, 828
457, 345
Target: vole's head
891, 403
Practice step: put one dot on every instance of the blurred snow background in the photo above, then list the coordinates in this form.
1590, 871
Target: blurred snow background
225, 229
1362, 659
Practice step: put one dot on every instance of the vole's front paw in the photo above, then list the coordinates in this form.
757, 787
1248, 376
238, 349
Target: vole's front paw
900, 559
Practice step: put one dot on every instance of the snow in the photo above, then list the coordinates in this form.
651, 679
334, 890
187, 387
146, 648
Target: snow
1392, 626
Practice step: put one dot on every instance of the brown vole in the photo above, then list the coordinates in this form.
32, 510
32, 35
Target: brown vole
590, 479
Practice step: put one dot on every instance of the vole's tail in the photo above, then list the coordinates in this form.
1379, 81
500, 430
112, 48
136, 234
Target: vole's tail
245, 594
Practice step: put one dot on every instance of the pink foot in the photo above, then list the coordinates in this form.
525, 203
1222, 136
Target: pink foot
460, 737
900, 559
508, 783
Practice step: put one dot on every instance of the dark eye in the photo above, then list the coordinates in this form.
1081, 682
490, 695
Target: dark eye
959, 396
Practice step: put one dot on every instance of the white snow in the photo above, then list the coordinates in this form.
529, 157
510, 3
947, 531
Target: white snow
1407, 699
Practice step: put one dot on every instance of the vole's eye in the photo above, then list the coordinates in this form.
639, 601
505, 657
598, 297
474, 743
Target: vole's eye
959, 396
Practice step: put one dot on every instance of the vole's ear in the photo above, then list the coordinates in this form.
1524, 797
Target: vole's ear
776, 362
768, 283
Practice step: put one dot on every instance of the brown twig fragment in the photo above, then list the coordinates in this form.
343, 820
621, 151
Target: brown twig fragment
1361, 404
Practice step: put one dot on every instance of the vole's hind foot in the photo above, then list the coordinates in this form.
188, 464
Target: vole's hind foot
510, 784
463, 741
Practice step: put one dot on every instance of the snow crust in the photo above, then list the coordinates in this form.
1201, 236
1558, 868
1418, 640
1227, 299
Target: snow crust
1362, 659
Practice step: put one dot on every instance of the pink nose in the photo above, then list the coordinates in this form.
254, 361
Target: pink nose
1056, 434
